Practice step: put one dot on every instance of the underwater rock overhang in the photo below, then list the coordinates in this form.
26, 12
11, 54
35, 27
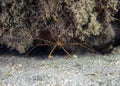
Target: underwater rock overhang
85, 22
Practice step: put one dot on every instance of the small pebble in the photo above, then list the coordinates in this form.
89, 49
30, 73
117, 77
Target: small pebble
75, 56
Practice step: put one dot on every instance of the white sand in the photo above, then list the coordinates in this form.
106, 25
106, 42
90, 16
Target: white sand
84, 70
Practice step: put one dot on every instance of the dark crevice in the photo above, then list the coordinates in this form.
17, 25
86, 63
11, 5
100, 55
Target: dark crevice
4, 50
45, 50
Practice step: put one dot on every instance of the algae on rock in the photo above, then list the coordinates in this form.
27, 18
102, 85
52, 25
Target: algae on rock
92, 19
89, 21
14, 31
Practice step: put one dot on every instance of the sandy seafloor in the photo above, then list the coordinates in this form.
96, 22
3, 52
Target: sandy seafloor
81, 70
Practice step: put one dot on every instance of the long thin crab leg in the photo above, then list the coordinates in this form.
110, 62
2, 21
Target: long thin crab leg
36, 46
49, 56
44, 40
52, 35
90, 47
82, 45
66, 51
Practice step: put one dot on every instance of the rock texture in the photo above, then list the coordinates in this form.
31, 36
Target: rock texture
87, 21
